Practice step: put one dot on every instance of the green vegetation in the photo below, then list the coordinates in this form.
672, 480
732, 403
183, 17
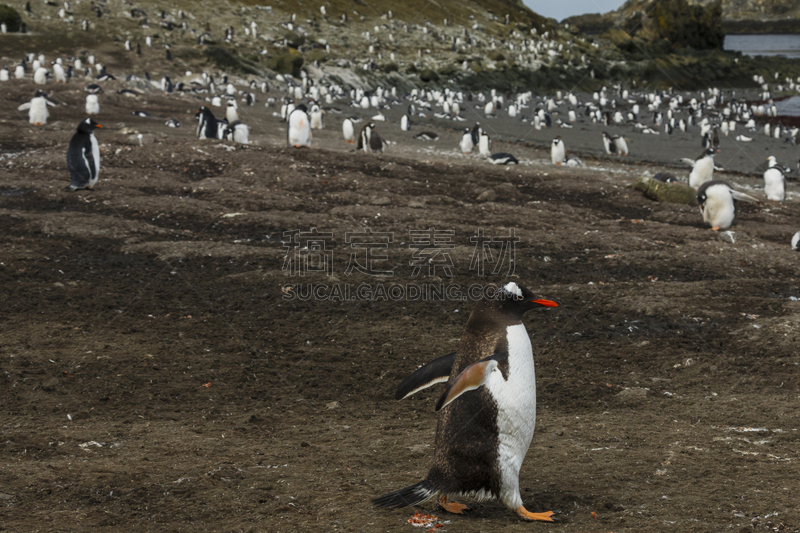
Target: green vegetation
10, 17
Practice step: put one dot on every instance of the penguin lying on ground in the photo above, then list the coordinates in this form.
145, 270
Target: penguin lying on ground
716, 199
427, 136
487, 412
666, 177
83, 157
503, 158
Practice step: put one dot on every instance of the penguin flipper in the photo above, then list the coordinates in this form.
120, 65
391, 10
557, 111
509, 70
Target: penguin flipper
742, 197
24, 107
471, 378
437, 371
688, 161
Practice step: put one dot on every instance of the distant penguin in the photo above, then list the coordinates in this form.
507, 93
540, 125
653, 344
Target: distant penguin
466, 144
92, 104
427, 136
207, 127
19, 72
615, 144
775, 183
348, 131
40, 76
83, 157
503, 158
796, 242
5, 74
702, 168
140, 113
231, 115
238, 133
487, 412
58, 73
37, 108
665, 177
484, 145
716, 199
369, 140
557, 151
404, 123
298, 131
315, 117
173, 123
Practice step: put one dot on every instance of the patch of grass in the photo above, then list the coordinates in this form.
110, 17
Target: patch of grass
10, 17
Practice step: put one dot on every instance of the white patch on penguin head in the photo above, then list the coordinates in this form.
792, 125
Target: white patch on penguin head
88, 121
512, 289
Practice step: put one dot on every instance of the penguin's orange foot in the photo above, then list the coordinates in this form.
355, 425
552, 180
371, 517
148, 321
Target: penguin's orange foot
452, 507
526, 515
715, 228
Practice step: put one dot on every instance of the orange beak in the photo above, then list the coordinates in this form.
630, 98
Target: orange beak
546, 303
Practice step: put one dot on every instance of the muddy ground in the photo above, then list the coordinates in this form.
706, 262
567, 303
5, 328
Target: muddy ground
156, 376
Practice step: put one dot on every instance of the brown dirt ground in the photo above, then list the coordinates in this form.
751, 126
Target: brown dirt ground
155, 379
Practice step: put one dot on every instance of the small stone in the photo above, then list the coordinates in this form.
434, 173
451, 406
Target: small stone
413, 204
58, 284
332, 405
487, 196
381, 200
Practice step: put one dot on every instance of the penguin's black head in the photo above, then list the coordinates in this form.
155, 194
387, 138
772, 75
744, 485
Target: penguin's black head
39, 93
516, 300
88, 125
302, 107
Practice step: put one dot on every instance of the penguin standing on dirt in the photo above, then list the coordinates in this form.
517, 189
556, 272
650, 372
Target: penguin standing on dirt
716, 199
37, 108
298, 132
775, 183
404, 123
702, 168
348, 131
487, 412
557, 151
466, 144
83, 157
207, 127
796, 242
615, 144
369, 140
484, 145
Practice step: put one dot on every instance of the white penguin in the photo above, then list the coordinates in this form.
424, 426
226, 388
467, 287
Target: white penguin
231, 115
348, 131
484, 144
716, 199
19, 72
37, 108
59, 74
316, 117
404, 124
557, 151
466, 144
40, 76
702, 168
775, 181
796, 242
92, 104
5, 74
299, 128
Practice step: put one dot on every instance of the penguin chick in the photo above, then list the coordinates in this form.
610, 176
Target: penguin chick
716, 199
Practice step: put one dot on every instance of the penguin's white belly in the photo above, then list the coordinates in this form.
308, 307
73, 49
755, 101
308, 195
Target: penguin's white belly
299, 130
94, 170
773, 185
466, 145
483, 147
719, 210
702, 172
38, 112
516, 411
557, 154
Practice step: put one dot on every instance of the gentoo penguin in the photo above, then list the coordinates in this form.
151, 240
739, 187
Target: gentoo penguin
298, 132
427, 136
37, 108
173, 123
140, 113
796, 242
92, 104
207, 127
466, 143
716, 199
503, 158
484, 145
702, 168
238, 132
476, 133
404, 123
5, 74
557, 151
315, 117
775, 183
487, 411
83, 157
665, 177
615, 144
230, 112
348, 131
369, 140
40, 76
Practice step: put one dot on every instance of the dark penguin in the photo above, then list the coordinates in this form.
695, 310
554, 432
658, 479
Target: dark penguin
488, 410
503, 158
83, 157
207, 128
666, 177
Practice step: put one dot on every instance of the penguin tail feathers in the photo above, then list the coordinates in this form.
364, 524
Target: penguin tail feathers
412, 495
